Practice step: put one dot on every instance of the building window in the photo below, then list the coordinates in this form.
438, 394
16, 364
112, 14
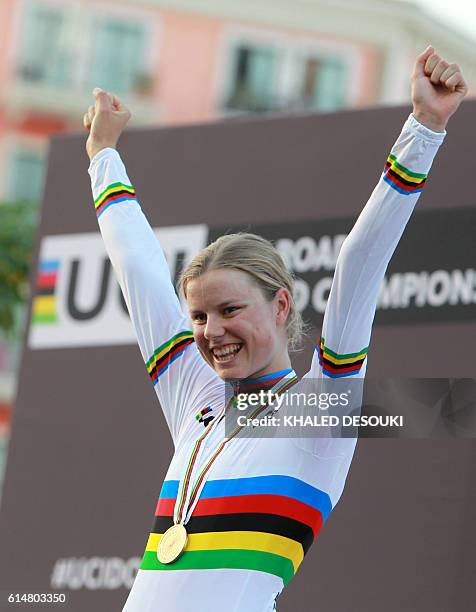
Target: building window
26, 176
253, 71
43, 60
74, 46
270, 78
118, 55
323, 84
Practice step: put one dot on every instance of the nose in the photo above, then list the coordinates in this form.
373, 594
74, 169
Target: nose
213, 328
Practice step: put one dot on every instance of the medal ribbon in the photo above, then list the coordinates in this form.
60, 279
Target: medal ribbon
281, 386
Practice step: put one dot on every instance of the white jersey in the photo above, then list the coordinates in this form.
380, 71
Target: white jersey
261, 503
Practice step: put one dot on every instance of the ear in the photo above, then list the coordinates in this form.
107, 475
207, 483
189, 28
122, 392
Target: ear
282, 302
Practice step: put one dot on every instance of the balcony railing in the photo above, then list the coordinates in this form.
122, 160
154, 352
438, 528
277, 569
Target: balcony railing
31, 90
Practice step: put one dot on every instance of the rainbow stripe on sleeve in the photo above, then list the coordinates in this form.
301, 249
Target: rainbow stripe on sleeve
337, 365
115, 193
401, 179
261, 523
167, 353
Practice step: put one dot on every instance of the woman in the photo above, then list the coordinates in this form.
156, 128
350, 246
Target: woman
236, 515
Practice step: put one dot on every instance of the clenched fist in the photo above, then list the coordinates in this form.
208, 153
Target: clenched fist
105, 122
438, 88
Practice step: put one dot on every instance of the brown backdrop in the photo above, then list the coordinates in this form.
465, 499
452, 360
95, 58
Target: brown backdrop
89, 446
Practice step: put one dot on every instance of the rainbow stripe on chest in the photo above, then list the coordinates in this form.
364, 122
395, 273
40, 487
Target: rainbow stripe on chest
262, 523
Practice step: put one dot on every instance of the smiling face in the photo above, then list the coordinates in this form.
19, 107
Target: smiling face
237, 330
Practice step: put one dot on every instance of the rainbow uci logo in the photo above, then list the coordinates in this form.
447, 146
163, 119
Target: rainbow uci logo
44, 303
78, 301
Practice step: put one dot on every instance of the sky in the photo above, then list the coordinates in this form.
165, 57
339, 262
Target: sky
458, 13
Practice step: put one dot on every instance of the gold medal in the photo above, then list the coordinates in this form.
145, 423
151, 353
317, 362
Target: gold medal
172, 543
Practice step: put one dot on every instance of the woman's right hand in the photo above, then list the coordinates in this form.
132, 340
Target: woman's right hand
104, 121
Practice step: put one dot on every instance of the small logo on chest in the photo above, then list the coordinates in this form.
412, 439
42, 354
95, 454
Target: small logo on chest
205, 416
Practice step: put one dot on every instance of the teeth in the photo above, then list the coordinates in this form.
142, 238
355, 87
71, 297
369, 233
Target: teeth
224, 351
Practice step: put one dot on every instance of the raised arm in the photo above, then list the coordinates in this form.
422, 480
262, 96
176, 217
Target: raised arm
182, 379
437, 90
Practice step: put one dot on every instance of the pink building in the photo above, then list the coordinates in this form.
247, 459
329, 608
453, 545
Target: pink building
176, 61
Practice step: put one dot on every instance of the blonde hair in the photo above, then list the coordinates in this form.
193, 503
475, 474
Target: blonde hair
257, 257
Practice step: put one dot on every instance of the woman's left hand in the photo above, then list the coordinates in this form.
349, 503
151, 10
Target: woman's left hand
438, 88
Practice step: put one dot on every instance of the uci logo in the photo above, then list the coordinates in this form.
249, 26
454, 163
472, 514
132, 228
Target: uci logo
205, 416
77, 300
45, 300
